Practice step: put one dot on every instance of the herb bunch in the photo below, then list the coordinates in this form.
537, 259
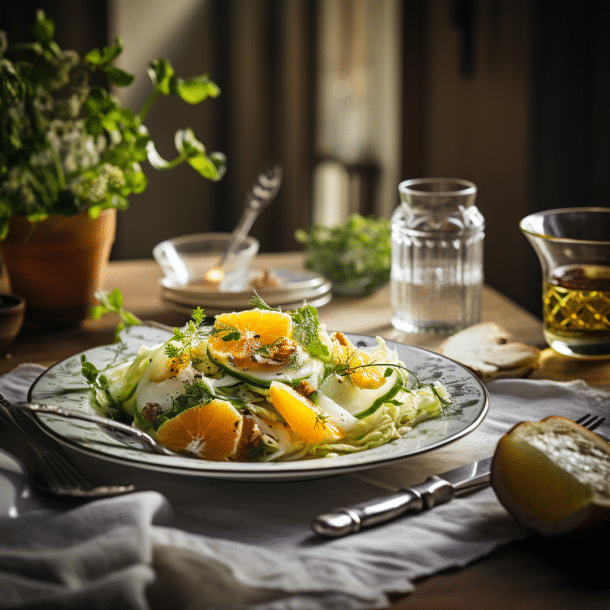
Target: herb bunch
67, 146
355, 255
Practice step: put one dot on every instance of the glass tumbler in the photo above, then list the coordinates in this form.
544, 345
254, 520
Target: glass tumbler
437, 256
573, 246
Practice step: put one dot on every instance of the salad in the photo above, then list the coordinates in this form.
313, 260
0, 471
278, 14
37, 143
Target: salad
264, 385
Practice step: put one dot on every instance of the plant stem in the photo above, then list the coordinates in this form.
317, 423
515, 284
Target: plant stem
149, 102
61, 177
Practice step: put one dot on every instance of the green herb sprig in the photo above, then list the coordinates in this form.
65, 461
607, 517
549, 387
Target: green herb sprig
112, 302
357, 251
305, 329
186, 335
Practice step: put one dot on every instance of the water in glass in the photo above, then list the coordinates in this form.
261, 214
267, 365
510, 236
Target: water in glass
437, 257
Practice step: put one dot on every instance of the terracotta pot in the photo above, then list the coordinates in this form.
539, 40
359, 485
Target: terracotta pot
58, 265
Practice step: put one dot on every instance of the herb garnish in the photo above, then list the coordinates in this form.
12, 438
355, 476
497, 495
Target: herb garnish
112, 302
186, 335
305, 329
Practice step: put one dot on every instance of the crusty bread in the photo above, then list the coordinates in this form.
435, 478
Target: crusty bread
486, 350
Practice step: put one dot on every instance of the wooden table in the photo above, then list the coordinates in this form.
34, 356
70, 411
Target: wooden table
535, 573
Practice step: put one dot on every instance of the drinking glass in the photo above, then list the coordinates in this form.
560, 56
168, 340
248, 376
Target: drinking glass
573, 246
437, 256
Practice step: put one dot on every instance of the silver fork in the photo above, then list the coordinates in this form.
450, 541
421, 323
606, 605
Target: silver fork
126, 434
56, 473
592, 422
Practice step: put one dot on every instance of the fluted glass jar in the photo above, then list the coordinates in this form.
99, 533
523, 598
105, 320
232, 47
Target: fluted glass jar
437, 256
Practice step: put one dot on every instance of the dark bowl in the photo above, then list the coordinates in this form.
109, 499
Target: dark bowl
12, 310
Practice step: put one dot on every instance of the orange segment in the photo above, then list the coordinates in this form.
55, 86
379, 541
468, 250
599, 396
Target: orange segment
269, 325
305, 419
366, 377
247, 331
211, 431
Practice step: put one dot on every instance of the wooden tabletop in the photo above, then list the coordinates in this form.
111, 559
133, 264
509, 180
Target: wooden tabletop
536, 573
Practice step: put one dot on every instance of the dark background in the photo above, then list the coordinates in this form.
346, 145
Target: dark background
513, 95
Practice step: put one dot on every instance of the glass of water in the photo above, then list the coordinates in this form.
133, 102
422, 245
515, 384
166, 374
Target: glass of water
437, 256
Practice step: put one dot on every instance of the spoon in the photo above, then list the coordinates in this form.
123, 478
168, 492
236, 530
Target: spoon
261, 194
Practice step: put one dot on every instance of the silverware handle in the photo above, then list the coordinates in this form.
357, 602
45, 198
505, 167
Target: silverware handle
103, 422
343, 521
261, 194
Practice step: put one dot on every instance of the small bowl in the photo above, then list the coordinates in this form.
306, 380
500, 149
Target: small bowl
188, 258
12, 311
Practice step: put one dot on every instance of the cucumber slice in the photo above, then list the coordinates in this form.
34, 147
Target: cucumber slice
359, 402
382, 399
311, 369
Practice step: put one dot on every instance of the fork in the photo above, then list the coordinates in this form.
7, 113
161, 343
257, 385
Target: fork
56, 473
591, 422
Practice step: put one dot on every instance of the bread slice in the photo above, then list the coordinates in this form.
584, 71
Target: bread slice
486, 349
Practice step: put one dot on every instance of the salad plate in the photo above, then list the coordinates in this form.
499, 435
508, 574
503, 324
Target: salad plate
63, 385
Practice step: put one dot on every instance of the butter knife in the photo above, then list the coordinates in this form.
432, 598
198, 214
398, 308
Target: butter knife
433, 491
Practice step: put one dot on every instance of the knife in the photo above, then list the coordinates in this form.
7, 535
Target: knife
433, 491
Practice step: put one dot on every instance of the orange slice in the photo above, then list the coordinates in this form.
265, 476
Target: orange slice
238, 335
553, 476
211, 431
355, 361
305, 419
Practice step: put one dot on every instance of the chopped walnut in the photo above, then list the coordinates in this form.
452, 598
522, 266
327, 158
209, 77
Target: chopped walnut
305, 388
279, 353
151, 410
283, 350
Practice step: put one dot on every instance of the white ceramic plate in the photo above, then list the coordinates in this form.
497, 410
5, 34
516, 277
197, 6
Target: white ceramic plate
297, 286
63, 385
212, 309
291, 282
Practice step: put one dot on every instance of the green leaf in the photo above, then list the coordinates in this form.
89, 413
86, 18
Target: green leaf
112, 302
196, 89
115, 299
220, 163
305, 332
161, 72
136, 181
44, 28
119, 77
102, 57
205, 167
187, 144
93, 124
155, 159
211, 167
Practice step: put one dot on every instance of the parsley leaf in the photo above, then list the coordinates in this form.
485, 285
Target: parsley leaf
305, 332
185, 335
305, 328
112, 302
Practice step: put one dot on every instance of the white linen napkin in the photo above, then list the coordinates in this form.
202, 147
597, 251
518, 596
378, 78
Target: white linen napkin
187, 542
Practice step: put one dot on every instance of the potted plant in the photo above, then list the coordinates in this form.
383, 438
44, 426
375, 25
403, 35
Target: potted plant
70, 157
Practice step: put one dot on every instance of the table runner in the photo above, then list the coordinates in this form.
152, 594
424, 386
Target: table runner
186, 542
